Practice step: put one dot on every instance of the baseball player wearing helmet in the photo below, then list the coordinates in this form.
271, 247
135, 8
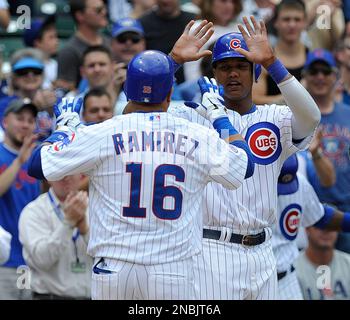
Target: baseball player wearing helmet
147, 170
237, 260
298, 205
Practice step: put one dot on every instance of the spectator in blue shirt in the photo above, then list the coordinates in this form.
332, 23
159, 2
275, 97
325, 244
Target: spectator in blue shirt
321, 76
17, 188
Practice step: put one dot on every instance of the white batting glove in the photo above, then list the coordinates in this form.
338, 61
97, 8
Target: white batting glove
67, 113
212, 106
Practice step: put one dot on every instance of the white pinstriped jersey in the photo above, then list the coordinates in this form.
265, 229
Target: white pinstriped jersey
301, 208
253, 206
147, 174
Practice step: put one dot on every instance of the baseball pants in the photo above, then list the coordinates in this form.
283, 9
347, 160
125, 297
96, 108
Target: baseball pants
289, 288
230, 271
128, 281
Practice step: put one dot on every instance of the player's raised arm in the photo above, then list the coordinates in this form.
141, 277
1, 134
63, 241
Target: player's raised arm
187, 47
212, 108
306, 114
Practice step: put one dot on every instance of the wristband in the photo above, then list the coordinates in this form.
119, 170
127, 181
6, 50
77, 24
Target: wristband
222, 126
277, 71
251, 165
175, 64
328, 215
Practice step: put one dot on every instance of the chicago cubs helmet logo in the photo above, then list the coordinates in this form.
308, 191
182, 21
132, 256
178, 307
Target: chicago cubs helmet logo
263, 139
290, 221
235, 43
147, 89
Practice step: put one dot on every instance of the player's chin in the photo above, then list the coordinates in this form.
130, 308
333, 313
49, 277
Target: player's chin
234, 94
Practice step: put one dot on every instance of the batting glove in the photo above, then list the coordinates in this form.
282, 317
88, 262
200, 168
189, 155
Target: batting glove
212, 106
67, 112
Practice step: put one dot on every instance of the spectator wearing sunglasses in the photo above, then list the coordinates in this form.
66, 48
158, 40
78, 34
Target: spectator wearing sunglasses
26, 81
128, 40
90, 17
320, 74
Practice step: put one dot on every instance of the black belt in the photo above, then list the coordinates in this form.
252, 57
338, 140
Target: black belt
50, 296
281, 275
246, 240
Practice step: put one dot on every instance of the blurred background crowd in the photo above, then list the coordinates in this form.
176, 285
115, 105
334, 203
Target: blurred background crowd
82, 47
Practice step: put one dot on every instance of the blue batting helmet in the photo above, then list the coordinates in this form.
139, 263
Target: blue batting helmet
288, 181
150, 77
225, 48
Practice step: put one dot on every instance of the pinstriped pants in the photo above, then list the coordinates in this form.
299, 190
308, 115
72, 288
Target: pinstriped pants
289, 288
229, 271
128, 281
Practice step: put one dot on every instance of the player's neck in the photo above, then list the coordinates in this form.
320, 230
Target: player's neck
319, 257
135, 107
241, 106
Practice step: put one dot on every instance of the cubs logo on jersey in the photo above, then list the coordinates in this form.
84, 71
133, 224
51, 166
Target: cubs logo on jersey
263, 139
57, 146
290, 221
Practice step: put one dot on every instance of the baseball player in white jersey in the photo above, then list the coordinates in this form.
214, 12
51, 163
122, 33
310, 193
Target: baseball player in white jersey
147, 171
237, 260
298, 205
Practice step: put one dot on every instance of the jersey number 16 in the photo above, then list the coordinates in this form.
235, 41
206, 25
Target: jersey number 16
160, 191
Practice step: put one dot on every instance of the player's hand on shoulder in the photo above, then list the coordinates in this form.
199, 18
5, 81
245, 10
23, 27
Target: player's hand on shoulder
212, 106
67, 112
